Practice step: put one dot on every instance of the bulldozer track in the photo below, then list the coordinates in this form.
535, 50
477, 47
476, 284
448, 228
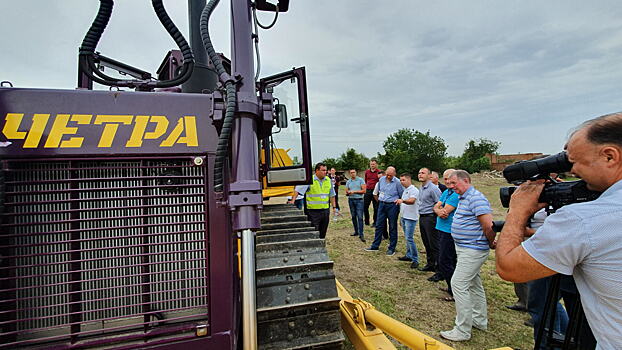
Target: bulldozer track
297, 302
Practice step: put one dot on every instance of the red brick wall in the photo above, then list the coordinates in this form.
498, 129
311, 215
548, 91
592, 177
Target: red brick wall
500, 161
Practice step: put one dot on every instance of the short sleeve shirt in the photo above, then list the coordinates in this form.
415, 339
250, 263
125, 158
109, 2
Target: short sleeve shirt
465, 228
428, 197
410, 211
449, 197
585, 240
355, 185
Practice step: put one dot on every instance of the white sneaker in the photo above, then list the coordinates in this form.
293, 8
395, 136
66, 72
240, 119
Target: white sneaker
455, 335
335, 218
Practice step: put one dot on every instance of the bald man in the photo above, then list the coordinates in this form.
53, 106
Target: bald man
389, 193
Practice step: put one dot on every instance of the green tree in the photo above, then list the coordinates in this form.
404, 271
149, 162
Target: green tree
351, 159
332, 163
409, 150
474, 157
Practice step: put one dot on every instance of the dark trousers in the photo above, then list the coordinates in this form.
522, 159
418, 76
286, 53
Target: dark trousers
429, 236
386, 211
320, 219
522, 293
369, 198
447, 257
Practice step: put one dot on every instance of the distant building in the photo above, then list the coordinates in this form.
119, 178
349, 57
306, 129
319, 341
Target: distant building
500, 161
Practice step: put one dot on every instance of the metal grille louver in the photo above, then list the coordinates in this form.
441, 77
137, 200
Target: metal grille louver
92, 247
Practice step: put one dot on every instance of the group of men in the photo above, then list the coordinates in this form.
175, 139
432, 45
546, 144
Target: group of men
580, 239
455, 225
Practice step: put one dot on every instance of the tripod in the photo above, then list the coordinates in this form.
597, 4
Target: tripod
577, 336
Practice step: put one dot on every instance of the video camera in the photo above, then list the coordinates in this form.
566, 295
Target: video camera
555, 193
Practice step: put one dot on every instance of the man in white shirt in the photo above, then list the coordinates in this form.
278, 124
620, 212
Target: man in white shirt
409, 212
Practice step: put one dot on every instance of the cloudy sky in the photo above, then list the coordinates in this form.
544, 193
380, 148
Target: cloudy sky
519, 72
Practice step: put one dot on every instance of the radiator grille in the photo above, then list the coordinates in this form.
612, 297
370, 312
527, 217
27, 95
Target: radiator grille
101, 247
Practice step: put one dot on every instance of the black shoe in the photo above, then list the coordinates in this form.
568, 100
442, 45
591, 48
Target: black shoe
427, 268
435, 278
517, 307
528, 323
354, 234
362, 239
385, 236
404, 258
366, 223
414, 265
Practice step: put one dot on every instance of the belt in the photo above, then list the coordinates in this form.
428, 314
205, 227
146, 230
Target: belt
388, 202
426, 215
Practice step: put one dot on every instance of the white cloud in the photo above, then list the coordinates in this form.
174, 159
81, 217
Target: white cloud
519, 72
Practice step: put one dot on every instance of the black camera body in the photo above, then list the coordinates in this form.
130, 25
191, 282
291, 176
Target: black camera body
555, 193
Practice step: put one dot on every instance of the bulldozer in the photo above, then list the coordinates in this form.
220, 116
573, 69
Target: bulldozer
133, 215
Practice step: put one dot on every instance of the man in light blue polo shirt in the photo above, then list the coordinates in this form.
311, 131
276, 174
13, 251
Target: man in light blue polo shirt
445, 209
389, 191
472, 232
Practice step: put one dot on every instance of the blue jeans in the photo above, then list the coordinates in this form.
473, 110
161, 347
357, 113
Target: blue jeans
356, 211
390, 211
409, 232
299, 203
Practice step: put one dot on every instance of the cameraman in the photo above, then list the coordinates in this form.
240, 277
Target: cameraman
584, 239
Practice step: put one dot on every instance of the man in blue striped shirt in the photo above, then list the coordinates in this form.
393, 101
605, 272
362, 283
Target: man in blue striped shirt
472, 232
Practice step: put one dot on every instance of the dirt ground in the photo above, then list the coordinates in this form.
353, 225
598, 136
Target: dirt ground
405, 294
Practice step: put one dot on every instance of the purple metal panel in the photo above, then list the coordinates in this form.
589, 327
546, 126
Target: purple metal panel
44, 123
244, 150
71, 261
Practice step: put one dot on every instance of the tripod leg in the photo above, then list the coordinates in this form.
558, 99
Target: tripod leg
550, 308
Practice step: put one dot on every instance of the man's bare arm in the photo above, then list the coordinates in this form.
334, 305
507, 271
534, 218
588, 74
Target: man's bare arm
362, 190
513, 262
485, 220
438, 207
294, 196
448, 208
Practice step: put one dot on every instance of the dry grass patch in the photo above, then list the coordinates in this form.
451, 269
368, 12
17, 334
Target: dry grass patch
405, 294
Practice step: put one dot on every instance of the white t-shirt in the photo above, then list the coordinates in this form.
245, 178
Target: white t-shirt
410, 211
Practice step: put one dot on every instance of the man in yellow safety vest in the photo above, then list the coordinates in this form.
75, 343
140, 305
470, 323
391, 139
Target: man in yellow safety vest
319, 195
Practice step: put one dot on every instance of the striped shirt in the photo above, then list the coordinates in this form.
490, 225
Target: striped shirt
465, 228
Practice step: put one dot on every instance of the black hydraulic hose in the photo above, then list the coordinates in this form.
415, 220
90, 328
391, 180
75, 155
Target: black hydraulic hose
89, 43
225, 134
181, 42
92, 37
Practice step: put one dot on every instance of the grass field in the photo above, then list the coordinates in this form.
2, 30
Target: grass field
405, 294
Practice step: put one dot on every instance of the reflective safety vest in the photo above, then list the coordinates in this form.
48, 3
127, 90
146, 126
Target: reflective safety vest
317, 196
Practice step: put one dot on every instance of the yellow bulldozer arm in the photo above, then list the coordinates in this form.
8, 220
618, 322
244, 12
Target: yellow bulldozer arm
366, 327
